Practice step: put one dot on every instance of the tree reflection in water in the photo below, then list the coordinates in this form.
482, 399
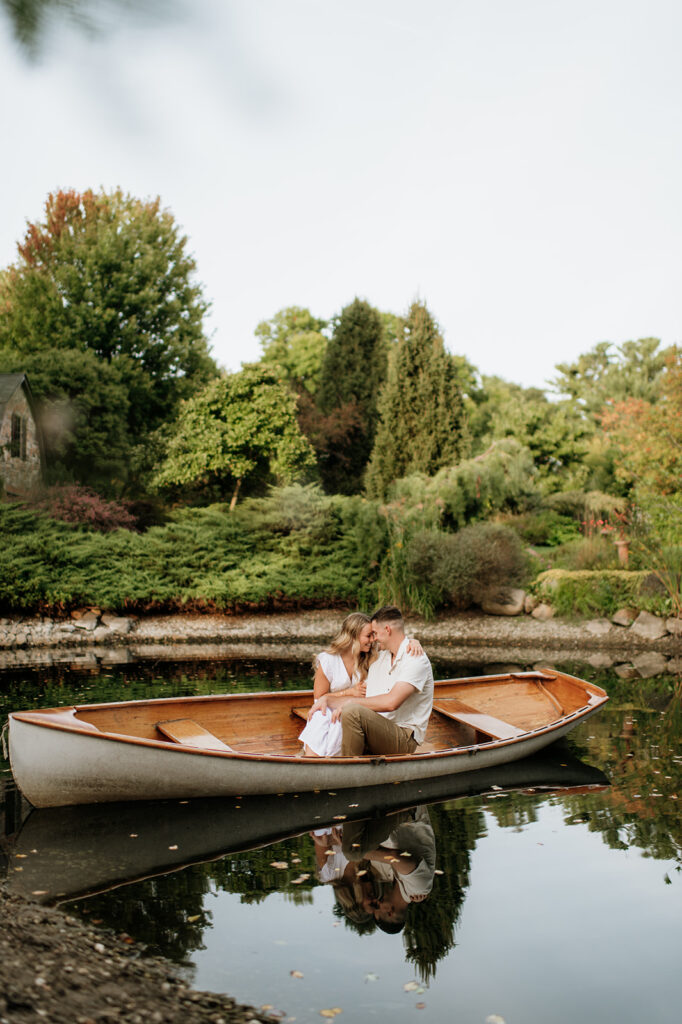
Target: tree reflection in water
30, 19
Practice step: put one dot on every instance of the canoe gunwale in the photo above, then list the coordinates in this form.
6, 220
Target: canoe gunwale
70, 725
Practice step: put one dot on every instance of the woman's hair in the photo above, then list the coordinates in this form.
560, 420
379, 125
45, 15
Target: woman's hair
348, 638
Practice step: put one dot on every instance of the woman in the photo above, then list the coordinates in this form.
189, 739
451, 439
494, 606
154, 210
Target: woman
342, 666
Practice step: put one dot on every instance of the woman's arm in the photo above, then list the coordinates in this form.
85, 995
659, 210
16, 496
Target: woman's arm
414, 647
321, 684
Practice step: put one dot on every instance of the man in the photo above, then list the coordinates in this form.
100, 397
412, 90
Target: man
393, 716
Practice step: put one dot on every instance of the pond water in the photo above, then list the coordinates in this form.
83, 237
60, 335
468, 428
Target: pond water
547, 891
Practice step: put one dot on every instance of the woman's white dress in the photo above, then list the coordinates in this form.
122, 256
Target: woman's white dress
321, 734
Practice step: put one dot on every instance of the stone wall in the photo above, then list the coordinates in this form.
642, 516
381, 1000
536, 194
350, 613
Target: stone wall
20, 476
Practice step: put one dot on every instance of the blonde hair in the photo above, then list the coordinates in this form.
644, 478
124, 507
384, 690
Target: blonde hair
348, 638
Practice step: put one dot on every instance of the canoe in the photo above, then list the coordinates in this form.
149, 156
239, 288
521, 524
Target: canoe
234, 744
67, 853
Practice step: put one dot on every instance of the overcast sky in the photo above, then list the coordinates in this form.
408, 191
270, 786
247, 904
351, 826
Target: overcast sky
517, 164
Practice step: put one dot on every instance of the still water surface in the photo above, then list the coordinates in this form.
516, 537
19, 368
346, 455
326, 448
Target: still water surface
547, 891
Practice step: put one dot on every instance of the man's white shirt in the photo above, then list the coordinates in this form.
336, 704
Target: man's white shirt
413, 714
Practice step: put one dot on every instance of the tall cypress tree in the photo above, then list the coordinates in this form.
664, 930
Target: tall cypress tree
353, 371
421, 426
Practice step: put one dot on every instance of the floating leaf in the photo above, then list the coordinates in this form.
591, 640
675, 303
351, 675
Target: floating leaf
193, 918
340, 817
295, 860
362, 871
420, 1006
133, 835
410, 986
371, 977
438, 871
174, 847
39, 892
21, 855
494, 1018
279, 864
353, 805
296, 974
496, 788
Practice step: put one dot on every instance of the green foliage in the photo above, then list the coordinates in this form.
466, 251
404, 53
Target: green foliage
600, 592
421, 410
545, 528
295, 548
499, 479
101, 309
457, 569
293, 342
585, 506
657, 540
608, 374
242, 425
353, 371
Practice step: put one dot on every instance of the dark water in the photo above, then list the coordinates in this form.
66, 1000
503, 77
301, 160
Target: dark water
546, 891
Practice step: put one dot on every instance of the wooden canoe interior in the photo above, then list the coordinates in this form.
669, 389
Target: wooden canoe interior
466, 711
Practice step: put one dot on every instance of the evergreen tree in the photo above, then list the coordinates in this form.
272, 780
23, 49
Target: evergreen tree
353, 371
421, 411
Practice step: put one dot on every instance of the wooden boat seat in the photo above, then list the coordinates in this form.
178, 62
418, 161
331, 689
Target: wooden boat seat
190, 734
458, 711
302, 712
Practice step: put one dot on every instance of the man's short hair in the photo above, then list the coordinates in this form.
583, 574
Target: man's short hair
389, 614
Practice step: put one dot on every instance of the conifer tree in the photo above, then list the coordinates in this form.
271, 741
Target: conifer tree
353, 371
421, 425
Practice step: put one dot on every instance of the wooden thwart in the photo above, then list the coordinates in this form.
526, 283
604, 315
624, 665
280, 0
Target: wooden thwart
191, 734
458, 711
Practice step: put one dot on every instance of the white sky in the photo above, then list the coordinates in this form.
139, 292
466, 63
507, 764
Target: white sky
517, 164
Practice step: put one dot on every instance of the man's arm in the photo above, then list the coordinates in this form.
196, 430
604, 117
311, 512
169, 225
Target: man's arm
382, 702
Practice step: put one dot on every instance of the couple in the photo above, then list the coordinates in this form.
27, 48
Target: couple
368, 703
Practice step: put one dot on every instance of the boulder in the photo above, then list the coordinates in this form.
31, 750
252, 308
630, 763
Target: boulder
598, 627
543, 612
648, 626
649, 664
674, 626
624, 617
530, 603
503, 601
626, 671
117, 624
87, 621
675, 666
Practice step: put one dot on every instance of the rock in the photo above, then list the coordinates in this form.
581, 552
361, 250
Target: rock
674, 626
544, 666
530, 603
66, 627
117, 624
543, 612
624, 617
626, 671
88, 620
598, 627
101, 633
650, 664
675, 666
117, 656
600, 660
503, 601
648, 626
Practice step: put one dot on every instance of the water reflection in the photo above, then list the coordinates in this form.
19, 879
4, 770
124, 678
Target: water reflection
31, 19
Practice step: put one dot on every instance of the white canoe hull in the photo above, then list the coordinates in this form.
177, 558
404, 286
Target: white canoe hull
57, 767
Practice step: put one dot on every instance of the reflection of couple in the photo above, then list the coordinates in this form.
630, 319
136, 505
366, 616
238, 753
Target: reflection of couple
369, 702
379, 868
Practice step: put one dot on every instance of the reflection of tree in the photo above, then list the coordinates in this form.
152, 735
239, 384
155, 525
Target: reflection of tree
165, 913
639, 748
31, 18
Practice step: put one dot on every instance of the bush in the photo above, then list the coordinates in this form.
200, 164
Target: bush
457, 569
500, 478
600, 592
545, 528
75, 504
595, 552
584, 506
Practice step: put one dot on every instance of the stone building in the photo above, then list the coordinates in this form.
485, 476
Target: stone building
21, 447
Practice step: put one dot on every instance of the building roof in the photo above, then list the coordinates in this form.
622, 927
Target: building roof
9, 382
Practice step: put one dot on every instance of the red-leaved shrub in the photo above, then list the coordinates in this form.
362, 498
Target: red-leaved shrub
75, 504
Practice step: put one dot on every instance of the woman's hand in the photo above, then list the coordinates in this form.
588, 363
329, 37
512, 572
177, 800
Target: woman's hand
357, 689
319, 705
414, 647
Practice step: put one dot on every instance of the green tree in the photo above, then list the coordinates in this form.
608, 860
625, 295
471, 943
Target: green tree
293, 341
106, 276
242, 426
421, 426
608, 374
353, 371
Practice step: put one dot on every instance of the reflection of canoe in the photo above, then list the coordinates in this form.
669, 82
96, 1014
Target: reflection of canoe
248, 743
67, 852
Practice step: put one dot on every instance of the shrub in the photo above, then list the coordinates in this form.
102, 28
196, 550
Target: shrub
584, 506
545, 527
600, 592
594, 552
457, 569
75, 504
